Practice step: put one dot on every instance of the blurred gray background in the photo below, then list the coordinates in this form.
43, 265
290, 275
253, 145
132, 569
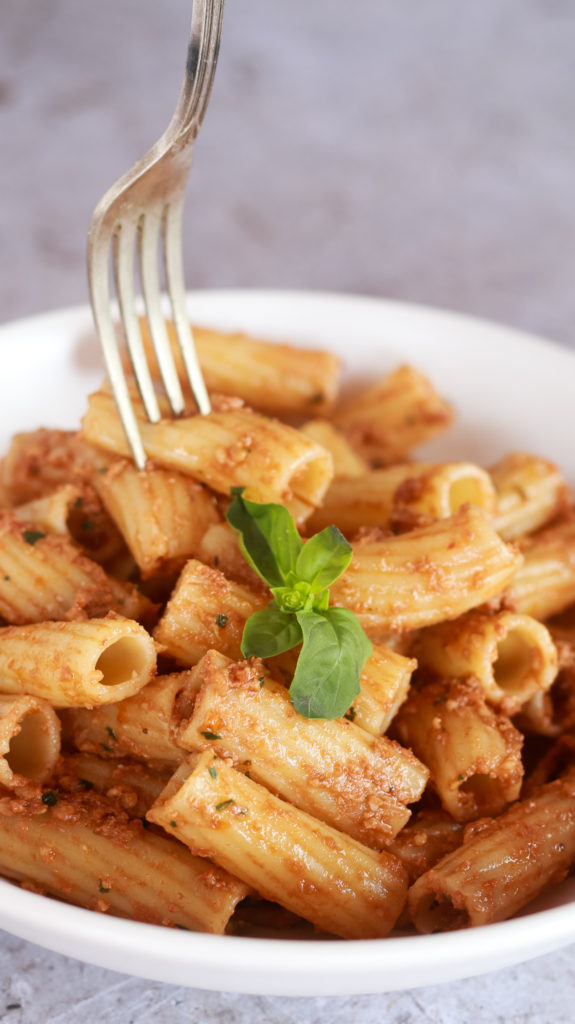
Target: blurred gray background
422, 151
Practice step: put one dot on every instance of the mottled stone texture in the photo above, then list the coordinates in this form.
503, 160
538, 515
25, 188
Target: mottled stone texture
423, 151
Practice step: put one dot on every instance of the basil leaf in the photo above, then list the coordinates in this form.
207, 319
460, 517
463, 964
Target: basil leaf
323, 558
270, 632
268, 538
335, 649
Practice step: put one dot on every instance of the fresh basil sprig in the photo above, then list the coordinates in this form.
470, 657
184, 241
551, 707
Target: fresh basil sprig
334, 645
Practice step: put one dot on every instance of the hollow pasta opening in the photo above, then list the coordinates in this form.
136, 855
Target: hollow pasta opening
485, 791
30, 749
467, 488
514, 663
436, 913
121, 660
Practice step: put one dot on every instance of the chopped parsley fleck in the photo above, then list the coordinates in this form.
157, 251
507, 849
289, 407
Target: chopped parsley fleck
221, 620
224, 804
102, 469
211, 735
350, 714
440, 700
85, 784
182, 927
6, 577
105, 747
111, 733
31, 536
216, 560
88, 524
262, 680
50, 798
460, 778
14, 1006
173, 823
102, 887
213, 771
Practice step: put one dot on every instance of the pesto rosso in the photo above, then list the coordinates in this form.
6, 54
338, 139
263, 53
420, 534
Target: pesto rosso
334, 647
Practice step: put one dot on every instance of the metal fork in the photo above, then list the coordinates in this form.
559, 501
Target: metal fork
143, 209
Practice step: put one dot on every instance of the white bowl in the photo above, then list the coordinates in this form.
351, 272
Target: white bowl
511, 391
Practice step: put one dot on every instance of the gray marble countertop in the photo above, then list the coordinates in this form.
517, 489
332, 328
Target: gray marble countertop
421, 151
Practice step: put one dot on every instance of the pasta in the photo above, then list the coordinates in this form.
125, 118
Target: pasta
172, 772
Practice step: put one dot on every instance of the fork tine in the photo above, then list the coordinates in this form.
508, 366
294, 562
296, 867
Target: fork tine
100, 296
177, 292
123, 259
148, 246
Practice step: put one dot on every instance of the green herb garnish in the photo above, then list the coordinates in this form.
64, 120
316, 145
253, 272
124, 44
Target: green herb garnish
31, 536
211, 735
173, 823
334, 645
221, 620
213, 771
224, 804
102, 887
88, 524
50, 798
85, 784
111, 733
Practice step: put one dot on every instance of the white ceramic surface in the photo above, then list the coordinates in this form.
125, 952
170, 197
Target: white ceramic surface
511, 391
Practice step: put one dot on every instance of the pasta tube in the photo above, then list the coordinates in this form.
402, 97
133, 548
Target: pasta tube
105, 861
138, 726
161, 514
39, 462
133, 786
220, 549
238, 448
502, 865
417, 489
384, 686
29, 740
307, 867
45, 576
545, 583
473, 754
401, 411
277, 379
512, 656
206, 611
81, 664
77, 513
530, 493
346, 462
335, 771
428, 837
434, 573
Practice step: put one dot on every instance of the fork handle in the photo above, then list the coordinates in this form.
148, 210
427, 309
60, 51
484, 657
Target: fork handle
203, 49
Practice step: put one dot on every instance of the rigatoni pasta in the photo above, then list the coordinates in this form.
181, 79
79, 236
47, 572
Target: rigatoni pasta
82, 663
334, 770
29, 740
351, 891
426, 576
473, 754
235, 448
416, 491
181, 793
512, 656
